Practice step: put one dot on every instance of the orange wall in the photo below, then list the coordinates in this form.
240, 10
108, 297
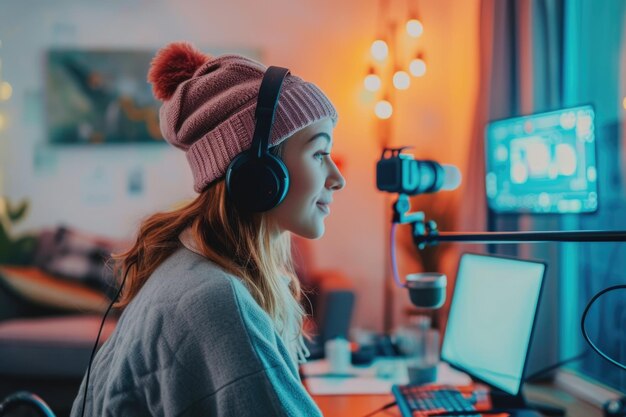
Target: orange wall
434, 115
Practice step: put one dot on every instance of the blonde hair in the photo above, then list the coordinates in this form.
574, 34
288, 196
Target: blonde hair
241, 243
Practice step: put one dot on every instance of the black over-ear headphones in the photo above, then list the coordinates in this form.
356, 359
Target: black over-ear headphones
256, 180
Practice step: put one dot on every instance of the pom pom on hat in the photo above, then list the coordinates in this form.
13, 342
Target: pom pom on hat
173, 64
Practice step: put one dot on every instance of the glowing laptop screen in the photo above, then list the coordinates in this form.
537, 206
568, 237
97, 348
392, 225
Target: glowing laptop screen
491, 318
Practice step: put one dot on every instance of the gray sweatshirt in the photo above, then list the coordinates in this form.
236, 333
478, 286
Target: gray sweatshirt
194, 342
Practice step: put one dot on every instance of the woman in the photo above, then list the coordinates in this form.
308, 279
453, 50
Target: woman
212, 322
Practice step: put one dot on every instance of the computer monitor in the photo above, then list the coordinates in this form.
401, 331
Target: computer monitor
542, 163
492, 317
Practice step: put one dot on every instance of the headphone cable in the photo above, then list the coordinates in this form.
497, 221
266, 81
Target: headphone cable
25, 398
95, 345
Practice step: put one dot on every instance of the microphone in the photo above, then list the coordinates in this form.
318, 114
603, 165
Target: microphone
402, 174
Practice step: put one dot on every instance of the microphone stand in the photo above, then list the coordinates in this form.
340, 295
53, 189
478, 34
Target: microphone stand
425, 233
433, 237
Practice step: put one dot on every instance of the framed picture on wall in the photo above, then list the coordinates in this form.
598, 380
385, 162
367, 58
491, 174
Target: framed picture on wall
100, 97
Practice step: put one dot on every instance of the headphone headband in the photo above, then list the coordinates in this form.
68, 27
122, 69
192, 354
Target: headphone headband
266, 108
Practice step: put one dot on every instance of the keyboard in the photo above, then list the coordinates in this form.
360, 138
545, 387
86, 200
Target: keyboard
414, 400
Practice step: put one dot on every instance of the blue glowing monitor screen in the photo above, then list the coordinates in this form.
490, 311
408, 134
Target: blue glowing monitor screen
492, 317
542, 163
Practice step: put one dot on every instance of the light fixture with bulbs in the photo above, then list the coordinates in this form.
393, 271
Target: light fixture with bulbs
389, 69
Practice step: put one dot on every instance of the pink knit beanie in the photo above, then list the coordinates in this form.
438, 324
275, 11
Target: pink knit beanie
209, 103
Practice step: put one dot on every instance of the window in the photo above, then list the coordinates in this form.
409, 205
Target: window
592, 70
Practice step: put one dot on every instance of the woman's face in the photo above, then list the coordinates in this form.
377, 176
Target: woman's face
313, 178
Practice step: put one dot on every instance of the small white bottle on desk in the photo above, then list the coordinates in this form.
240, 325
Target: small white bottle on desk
338, 355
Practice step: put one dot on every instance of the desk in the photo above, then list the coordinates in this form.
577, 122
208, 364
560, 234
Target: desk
360, 405
353, 405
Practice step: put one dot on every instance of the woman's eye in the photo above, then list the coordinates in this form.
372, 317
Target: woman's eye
320, 155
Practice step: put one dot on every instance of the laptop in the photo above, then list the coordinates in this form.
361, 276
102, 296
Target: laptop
490, 325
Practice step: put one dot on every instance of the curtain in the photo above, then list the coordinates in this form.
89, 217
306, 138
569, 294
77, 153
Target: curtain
540, 55
521, 61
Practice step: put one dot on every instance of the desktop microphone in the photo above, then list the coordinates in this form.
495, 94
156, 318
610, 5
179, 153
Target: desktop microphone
402, 174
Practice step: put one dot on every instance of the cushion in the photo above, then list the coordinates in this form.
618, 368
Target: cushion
39, 287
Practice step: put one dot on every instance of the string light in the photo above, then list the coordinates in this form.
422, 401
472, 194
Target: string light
5, 94
372, 82
379, 50
417, 67
383, 109
401, 80
5, 91
414, 28
395, 58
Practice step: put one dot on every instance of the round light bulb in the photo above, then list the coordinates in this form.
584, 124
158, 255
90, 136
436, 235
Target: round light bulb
414, 28
401, 80
379, 50
417, 67
383, 109
5, 91
624, 103
372, 82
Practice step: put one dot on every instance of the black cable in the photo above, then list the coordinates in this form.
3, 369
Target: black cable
584, 330
383, 408
25, 398
95, 345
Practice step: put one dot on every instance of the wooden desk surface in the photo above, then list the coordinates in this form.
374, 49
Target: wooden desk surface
354, 405
361, 405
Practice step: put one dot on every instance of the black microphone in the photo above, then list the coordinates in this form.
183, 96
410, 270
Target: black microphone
402, 174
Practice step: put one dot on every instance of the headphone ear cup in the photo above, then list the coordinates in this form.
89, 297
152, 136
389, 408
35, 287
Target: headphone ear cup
257, 184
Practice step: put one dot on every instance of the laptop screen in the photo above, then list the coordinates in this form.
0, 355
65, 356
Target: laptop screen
491, 318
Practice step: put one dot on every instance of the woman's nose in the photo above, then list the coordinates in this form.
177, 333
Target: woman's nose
335, 180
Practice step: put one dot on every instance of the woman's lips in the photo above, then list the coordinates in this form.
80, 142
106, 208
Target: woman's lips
323, 207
